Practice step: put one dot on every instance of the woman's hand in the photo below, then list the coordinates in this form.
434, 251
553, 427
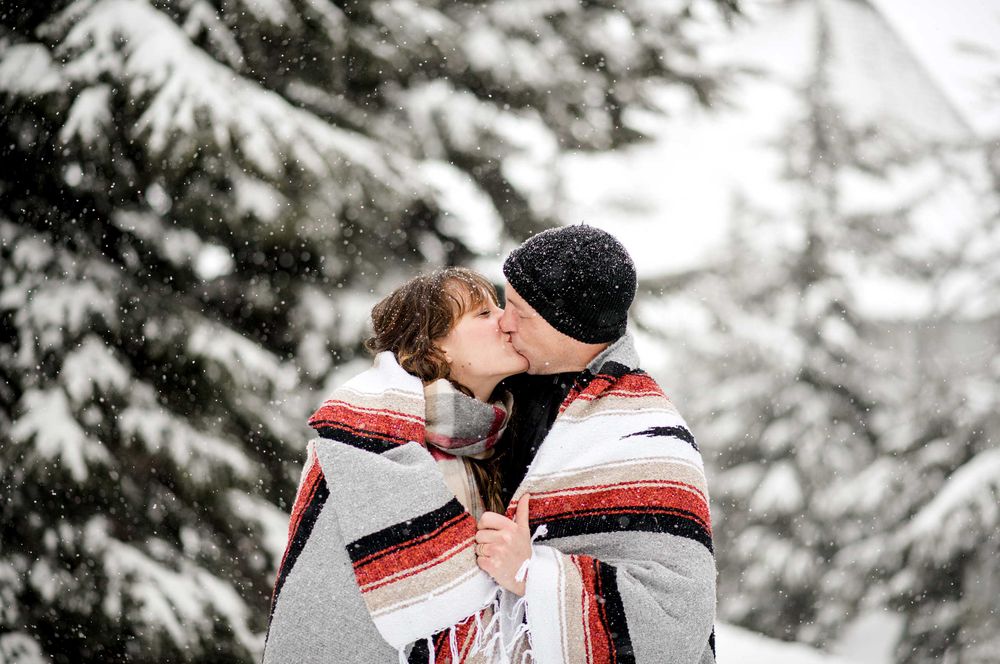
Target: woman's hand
503, 545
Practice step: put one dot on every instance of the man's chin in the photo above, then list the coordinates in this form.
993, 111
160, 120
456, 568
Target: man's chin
539, 369
534, 368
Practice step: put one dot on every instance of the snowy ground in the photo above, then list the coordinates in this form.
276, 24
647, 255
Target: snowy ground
870, 639
740, 646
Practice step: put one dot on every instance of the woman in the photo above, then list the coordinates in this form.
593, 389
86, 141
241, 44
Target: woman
444, 328
363, 577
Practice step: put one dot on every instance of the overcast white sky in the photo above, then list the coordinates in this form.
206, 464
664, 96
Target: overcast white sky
933, 28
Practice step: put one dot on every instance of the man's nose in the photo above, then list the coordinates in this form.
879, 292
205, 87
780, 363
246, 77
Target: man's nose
507, 321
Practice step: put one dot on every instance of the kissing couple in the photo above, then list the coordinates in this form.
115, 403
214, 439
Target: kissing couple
503, 485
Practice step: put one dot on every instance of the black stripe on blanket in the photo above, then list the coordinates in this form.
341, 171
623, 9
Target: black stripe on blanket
309, 516
401, 536
583, 523
616, 370
357, 438
419, 653
613, 614
668, 432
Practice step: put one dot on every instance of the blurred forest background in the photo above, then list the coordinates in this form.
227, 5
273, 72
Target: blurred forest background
200, 200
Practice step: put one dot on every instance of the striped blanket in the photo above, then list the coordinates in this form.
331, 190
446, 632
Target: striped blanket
623, 570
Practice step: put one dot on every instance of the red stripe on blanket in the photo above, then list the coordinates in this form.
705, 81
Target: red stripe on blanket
416, 555
465, 636
464, 640
632, 385
386, 424
441, 642
302, 500
599, 647
625, 498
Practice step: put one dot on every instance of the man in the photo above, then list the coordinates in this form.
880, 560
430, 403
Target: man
583, 280
624, 569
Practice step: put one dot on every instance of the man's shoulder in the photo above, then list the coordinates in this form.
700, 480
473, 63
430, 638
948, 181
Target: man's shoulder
619, 377
620, 390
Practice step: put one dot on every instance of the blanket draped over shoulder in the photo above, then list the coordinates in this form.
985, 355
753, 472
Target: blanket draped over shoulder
622, 571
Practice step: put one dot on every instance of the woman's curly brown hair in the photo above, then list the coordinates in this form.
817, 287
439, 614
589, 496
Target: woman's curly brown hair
411, 319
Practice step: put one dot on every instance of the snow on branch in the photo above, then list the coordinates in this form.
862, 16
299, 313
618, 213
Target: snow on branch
513, 60
22, 648
946, 522
89, 116
202, 18
438, 108
28, 69
28, 253
47, 312
268, 387
271, 522
469, 213
331, 19
182, 247
417, 17
50, 425
200, 456
276, 12
252, 367
92, 367
181, 602
185, 92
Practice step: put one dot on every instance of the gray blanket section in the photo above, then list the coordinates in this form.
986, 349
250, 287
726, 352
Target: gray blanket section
669, 602
321, 618
667, 585
320, 615
370, 492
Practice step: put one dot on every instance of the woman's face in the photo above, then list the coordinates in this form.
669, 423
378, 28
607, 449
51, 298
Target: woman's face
477, 349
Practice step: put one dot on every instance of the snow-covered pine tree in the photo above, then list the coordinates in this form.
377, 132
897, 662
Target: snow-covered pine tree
940, 567
931, 497
796, 390
199, 201
933, 494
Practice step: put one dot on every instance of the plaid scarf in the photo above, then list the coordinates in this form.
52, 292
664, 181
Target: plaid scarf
462, 425
459, 428
622, 571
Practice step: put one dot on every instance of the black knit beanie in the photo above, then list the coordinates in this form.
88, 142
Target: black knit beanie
578, 278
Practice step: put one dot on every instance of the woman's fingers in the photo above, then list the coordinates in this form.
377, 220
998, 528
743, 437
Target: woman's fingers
495, 521
502, 546
521, 516
486, 564
486, 536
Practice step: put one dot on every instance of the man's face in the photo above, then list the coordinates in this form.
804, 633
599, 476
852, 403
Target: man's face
541, 344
